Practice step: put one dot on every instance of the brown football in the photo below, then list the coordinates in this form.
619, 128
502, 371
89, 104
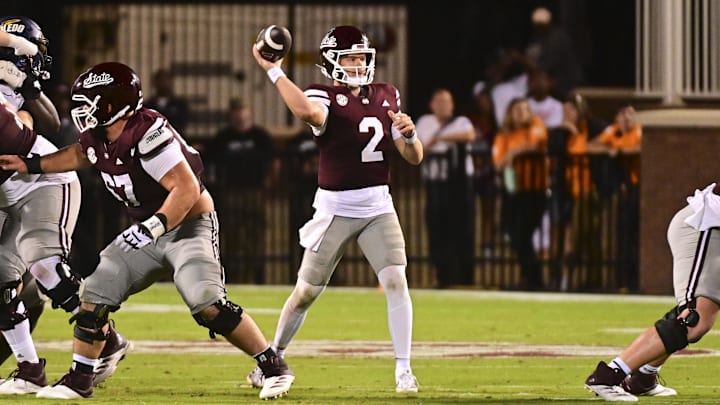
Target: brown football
274, 42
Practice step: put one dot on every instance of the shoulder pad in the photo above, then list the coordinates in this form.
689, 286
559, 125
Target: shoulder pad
155, 138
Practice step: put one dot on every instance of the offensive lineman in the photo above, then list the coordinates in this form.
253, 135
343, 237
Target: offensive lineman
146, 164
356, 126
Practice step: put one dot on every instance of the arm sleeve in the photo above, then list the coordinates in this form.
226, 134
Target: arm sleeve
163, 160
317, 131
159, 150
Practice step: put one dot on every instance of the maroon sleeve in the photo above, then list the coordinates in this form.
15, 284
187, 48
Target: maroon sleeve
15, 138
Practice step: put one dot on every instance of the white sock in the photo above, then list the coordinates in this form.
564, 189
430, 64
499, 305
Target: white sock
400, 314
77, 358
648, 369
402, 366
294, 312
20, 340
619, 363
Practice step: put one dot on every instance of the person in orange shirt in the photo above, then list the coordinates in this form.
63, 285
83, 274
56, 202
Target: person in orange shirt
622, 140
482, 116
574, 200
519, 154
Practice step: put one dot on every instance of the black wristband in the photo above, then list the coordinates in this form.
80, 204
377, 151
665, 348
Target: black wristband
33, 163
162, 218
31, 93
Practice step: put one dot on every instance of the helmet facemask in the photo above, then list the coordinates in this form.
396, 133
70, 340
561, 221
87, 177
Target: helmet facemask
340, 73
83, 116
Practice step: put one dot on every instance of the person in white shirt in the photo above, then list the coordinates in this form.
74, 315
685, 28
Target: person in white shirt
447, 174
513, 68
541, 102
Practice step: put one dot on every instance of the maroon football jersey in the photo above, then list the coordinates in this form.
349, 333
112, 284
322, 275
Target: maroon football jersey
15, 138
119, 162
357, 143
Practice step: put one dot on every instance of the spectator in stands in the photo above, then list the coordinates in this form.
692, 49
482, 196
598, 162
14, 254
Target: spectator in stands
512, 67
519, 154
622, 141
164, 100
482, 116
302, 167
241, 157
550, 110
541, 102
447, 173
550, 49
575, 210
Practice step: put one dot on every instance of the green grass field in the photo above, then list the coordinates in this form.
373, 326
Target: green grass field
471, 347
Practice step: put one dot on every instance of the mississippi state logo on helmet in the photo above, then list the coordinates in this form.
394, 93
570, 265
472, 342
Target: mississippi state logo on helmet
103, 94
38, 65
341, 41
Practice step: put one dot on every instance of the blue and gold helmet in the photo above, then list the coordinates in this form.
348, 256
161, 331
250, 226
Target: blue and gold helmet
38, 65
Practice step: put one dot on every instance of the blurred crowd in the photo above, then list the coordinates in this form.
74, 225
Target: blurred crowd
527, 139
538, 148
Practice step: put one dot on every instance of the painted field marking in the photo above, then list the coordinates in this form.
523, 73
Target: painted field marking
382, 349
637, 331
177, 308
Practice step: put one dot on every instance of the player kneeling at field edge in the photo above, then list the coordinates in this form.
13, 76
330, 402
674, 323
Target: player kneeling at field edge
147, 165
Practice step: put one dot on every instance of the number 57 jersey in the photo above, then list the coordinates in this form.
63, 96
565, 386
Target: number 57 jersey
357, 142
132, 166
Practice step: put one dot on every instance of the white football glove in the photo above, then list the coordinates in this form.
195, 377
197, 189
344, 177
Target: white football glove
139, 235
22, 46
134, 238
10, 74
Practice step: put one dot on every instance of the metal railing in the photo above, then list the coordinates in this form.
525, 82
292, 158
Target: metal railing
586, 241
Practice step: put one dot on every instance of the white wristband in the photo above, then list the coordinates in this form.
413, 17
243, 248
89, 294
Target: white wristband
155, 226
412, 139
275, 73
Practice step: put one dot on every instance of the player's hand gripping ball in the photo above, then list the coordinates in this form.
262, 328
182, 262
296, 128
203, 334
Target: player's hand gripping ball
274, 42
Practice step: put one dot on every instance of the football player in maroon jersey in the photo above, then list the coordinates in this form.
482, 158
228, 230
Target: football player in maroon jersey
147, 165
357, 125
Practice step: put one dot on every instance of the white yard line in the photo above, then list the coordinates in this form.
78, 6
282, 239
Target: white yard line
637, 331
157, 308
381, 349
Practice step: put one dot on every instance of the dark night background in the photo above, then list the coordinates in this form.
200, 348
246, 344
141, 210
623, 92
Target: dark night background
450, 45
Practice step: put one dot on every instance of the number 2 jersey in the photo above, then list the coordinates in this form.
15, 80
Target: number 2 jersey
355, 146
132, 166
